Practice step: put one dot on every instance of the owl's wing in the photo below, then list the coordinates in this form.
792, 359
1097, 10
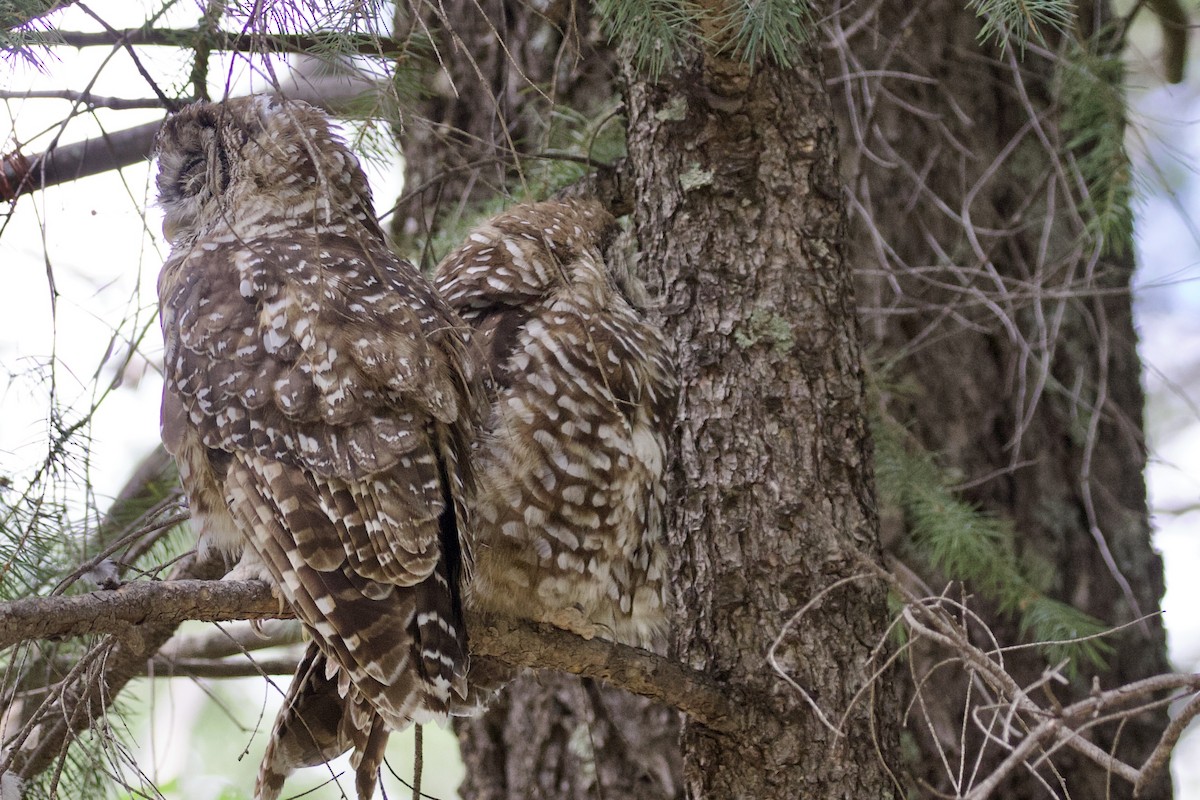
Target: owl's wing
572, 456
326, 381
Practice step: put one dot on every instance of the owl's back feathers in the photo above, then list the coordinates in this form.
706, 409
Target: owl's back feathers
320, 403
569, 517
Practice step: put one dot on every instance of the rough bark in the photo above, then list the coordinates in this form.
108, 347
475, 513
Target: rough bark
1008, 334
789, 481
975, 289
740, 222
948, 149
555, 736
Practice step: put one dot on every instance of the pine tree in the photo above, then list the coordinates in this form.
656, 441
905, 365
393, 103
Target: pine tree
892, 247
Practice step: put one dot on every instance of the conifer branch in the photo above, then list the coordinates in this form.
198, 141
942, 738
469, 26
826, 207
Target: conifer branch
14, 15
298, 43
81, 698
126, 612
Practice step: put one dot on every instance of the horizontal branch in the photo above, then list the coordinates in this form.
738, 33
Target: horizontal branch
21, 174
521, 643
82, 98
82, 697
363, 45
121, 611
233, 639
516, 642
160, 667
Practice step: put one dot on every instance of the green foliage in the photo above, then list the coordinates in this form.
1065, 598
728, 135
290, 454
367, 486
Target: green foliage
1021, 20
1091, 90
771, 28
88, 769
966, 544
658, 32
34, 518
1065, 631
50, 543
21, 31
576, 144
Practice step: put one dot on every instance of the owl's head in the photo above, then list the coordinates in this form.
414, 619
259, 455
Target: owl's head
223, 167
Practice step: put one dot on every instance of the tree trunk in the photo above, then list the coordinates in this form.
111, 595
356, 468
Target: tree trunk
550, 736
1006, 332
1009, 333
740, 222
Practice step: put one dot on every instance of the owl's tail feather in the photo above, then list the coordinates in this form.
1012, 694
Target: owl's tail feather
316, 725
389, 655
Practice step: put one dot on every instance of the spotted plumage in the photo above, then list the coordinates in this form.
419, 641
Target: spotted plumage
320, 404
569, 515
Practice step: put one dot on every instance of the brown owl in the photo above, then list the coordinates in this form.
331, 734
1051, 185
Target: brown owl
319, 402
569, 512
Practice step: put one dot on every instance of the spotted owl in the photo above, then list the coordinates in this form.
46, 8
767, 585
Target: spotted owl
320, 403
569, 511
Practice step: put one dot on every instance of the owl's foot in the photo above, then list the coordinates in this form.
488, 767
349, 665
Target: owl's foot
571, 619
251, 568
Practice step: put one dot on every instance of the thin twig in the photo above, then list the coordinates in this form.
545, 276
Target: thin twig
380, 47
83, 98
418, 759
1156, 762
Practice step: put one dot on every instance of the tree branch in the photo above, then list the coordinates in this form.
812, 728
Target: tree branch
82, 697
299, 43
21, 174
123, 611
522, 643
234, 639
1174, 21
1056, 726
126, 611
159, 667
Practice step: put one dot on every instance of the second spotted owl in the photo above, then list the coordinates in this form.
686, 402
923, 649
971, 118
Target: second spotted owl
569, 514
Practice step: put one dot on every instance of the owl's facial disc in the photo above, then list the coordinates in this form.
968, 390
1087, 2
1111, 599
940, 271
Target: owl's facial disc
191, 173
180, 190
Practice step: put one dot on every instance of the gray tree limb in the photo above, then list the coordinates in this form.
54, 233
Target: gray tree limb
128, 612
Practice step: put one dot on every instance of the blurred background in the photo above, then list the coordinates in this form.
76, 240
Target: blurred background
79, 334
